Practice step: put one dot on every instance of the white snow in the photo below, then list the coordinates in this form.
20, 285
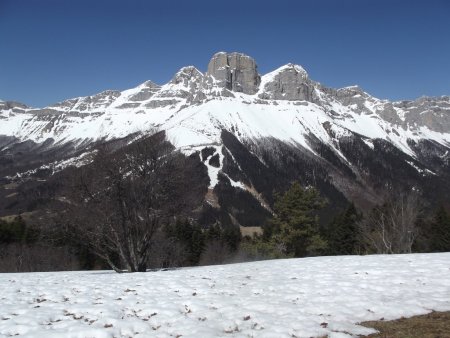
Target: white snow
56, 166
201, 124
236, 184
420, 170
213, 172
369, 143
283, 298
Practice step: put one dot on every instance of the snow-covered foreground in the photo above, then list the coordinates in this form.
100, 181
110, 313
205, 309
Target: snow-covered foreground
283, 298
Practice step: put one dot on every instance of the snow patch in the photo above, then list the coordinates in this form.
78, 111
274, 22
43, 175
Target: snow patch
369, 143
420, 170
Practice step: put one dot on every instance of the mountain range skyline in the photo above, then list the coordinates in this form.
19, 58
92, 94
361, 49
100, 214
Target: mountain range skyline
58, 50
204, 71
235, 78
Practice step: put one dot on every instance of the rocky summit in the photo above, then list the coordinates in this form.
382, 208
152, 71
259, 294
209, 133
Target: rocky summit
254, 133
235, 71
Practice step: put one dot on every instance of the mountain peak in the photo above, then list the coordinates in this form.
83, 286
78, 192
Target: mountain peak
354, 88
288, 82
189, 73
235, 71
295, 69
12, 104
148, 84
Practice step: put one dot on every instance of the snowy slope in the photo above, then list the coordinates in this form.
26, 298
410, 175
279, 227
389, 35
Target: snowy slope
201, 124
308, 297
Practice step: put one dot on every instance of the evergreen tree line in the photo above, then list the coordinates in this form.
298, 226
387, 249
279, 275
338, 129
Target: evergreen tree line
23, 249
347, 233
17, 231
195, 245
396, 226
182, 243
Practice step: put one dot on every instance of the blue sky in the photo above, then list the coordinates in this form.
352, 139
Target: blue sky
52, 50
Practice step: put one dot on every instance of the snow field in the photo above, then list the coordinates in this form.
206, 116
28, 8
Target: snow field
280, 298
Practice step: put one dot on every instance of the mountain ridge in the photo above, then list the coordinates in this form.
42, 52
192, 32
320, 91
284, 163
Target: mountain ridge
189, 86
284, 123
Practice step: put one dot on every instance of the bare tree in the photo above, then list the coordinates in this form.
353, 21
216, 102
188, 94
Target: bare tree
119, 202
392, 227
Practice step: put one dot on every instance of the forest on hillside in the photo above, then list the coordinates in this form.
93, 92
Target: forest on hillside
142, 206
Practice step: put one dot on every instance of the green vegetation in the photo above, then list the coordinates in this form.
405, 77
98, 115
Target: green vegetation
295, 224
17, 231
294, 229
396, 226
342, 233
440, 231
191, 236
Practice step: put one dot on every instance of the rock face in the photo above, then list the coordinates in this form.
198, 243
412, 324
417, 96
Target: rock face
432, 112
15, 107
88, 103
183, 88
148, 89
235, 71
289, 82
187, 76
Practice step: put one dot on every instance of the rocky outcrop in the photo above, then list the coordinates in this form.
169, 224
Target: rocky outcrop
15, 107
5, 105
88, 103
189, 77
101, 100
289, 82
234, 71
184, 87
356, 99
148, 89
432, 112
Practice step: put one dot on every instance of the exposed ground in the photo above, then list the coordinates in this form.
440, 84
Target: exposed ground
432, 325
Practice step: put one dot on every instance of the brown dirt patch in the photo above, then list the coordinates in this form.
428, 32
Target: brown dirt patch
251, 231
432, 325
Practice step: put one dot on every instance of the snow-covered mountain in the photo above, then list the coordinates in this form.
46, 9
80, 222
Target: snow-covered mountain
284, 123
194, 107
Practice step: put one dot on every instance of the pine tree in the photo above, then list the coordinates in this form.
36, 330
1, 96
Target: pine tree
440, 231
214, 232
295, 223
232, 237
342, 233
191, 235
17, 231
